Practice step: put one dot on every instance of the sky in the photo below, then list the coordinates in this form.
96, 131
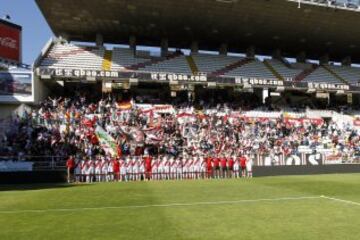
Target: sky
36, 32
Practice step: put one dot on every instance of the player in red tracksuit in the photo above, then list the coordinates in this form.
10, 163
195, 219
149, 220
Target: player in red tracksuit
216, 167
243, 165
147, 162
209, 167
230, 167
223, 164
70, 165
116, 169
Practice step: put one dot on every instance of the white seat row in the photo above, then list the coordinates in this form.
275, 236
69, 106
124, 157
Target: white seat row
124, 58
254, 69
321, 75
177, 64
207, 63
69, 56
350, 74
286, 72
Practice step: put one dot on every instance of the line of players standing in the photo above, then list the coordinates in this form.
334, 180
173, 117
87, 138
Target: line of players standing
105, 169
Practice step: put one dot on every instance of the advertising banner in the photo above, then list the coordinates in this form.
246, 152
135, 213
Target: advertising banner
193, 79
16, 86
10, 41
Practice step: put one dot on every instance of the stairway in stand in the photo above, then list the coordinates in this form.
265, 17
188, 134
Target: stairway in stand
231, 67
301, 76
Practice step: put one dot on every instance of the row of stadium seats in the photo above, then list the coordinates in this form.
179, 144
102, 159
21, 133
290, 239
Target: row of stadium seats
73, 56
121, 59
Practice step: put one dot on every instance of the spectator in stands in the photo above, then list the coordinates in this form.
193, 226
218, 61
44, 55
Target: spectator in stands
70, 126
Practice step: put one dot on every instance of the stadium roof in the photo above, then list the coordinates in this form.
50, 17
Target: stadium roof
265, 24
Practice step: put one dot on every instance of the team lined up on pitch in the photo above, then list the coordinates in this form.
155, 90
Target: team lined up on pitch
160, 168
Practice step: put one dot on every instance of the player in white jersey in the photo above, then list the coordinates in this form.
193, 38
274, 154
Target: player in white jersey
136, 169
90, 171
104, 169
236, 167
141, 168
110, 170
185, 167
190, 168
179, 169
122, 167
166, 168
203, 168
83, 170
155, 168
97, 169
161, 168
172, 168
197, 167
129, 172
77, 170
249, 163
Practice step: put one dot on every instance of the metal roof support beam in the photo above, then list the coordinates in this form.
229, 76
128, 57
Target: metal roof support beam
164, 47
99, 40
250, 52
301, 57
194, 47
346, 61
223, 50
277, 54
324, 60
132, 43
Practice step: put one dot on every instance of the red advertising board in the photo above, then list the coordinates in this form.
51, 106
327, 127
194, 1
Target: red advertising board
10, 38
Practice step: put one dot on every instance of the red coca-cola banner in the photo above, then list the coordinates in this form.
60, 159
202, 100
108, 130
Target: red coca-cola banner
9, 42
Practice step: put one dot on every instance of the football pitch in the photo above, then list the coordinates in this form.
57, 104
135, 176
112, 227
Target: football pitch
288, 207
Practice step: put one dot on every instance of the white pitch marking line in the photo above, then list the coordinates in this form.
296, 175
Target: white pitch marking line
159, 205
341, 200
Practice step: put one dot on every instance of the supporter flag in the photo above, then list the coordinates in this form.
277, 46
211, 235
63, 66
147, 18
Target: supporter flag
124, 106
88, 123
107, 142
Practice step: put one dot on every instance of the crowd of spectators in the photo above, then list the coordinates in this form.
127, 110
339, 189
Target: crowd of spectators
67, 126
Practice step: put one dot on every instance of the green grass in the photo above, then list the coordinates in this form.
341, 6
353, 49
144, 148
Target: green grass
293, 219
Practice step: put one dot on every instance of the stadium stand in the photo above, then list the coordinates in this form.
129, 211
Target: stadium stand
123, 58
286, 72
64, 55
208, 63
67, 55
327, 68
350, 74
321, 75
174, 64
306, 72
253, 69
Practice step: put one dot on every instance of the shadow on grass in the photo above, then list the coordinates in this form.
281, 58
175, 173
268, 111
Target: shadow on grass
37, 186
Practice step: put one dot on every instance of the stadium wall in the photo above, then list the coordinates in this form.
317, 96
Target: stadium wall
60, 176
7, 110
305, 170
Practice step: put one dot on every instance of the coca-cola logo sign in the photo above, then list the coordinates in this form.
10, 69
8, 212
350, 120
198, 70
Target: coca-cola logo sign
8, 42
